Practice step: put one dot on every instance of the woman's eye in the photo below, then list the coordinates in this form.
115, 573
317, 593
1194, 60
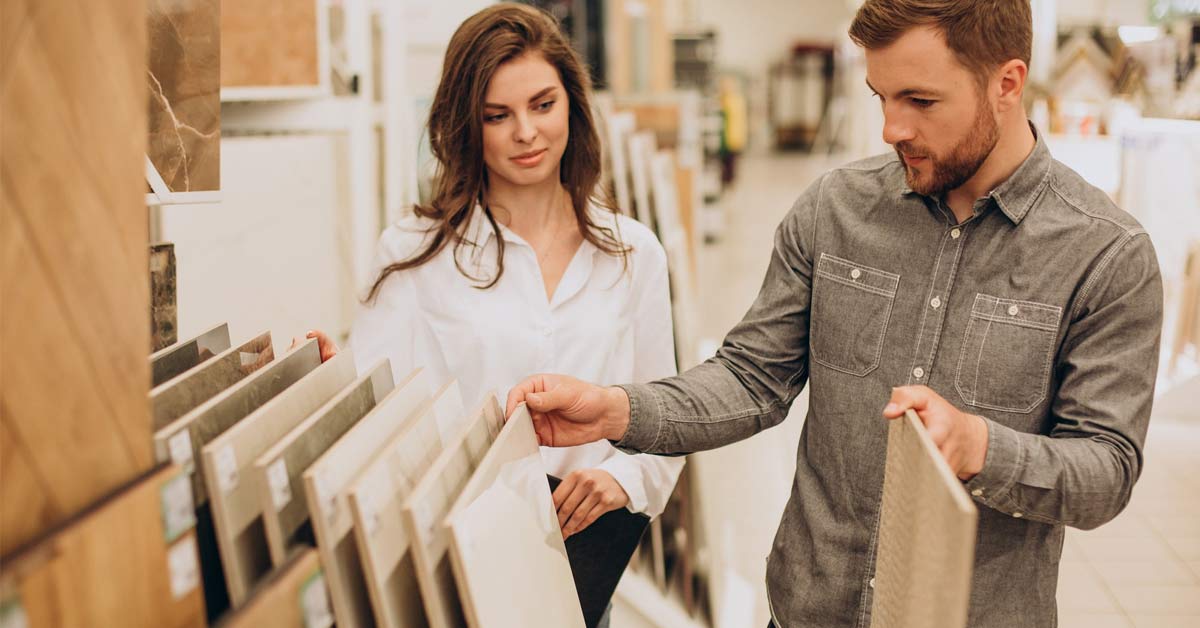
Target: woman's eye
546, 105
495, 118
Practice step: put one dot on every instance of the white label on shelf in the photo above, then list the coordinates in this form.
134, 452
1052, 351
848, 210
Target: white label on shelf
184, 567
180, 447
314, 601
281, 487
178, 509
227, 471
12, 615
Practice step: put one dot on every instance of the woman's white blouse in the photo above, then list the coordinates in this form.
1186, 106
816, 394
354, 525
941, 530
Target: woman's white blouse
605, 324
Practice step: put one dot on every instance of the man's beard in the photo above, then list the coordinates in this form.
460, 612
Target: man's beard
963, 161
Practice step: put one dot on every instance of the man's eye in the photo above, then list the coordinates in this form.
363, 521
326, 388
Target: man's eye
922, 103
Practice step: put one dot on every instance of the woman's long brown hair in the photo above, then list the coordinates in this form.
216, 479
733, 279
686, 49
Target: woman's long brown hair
483, 43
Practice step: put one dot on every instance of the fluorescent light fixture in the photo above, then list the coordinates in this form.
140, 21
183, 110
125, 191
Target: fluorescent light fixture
1138, 34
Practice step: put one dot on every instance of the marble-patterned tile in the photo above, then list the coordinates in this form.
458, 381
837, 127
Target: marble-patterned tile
505, 516
181, 357
164, 319
181, 395
184, 80
269, 43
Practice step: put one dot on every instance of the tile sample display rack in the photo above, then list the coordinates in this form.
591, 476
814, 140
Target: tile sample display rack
293, 596
180, 395
177, 359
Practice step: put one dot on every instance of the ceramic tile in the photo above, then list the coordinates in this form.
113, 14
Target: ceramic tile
1093, 620
179, 358
269, 43
184, 92
183, 394
1166, 621
1080, 590
1120, 573
228, 470
1140, 548
505, 516
164, 321
926, 535
425, 510
1159, 599
279, 469
325, 484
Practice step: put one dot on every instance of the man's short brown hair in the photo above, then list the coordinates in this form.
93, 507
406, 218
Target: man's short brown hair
983, 34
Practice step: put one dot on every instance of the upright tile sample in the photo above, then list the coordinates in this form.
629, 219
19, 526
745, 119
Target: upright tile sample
175, 360
181, 395
128, 561
325, 483
427, 506
73, 259
269, 43
183, 84
293, 597
228, 471
376, 498
926, 536
278, 470
504, 517
164, 320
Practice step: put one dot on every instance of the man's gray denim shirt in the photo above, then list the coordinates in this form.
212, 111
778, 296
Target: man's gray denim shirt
1041, 313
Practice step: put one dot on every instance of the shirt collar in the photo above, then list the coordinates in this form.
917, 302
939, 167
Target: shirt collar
479, 231
1015, 196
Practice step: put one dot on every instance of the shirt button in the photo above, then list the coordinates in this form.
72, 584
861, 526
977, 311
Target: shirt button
1018, 515
1012, 310
855, 274
935, 303
977, 492
872, 583
955, 233
918, 372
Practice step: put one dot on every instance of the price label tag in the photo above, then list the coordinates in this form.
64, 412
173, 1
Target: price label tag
227, 471
281, 486
178, 509
184, 567
180, 446
314, 603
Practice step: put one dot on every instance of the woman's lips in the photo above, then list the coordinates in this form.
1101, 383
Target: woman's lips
531, 159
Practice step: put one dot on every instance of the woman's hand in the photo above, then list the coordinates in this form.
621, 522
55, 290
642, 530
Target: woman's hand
583, 496
325, 344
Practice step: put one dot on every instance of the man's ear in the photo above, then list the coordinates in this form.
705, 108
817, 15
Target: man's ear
1012, 76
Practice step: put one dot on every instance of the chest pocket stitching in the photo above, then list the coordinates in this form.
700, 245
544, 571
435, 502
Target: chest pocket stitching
1023, 319
823, 270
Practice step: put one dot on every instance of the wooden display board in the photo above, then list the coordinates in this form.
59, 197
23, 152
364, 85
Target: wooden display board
430, 501
130, 561
375, 500
277, 471
927, 523
325, 482
505, 516
74, 260
294, 596
228, 463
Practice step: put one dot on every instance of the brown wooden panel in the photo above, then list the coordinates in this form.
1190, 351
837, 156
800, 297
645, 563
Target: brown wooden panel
74, 282
286, 597
269, 43
112, 566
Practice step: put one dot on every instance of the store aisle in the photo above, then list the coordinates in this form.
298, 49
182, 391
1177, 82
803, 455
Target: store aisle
1142, 570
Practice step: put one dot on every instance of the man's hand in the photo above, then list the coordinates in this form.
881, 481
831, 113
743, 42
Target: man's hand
325, 344
583, 496
962, 438
568, 412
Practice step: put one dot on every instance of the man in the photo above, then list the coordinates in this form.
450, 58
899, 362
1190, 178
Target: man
971, 278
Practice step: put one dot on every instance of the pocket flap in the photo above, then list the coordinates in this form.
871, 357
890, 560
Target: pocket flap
1014, 312
851, 273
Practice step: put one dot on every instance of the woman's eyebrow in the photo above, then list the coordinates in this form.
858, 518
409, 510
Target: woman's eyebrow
537, 96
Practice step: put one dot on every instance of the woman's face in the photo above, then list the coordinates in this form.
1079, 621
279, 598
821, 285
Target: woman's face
526, 122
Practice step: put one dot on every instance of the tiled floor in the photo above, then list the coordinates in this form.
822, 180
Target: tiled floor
1142, 570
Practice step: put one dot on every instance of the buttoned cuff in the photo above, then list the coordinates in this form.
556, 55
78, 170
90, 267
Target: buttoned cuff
992, 485
645, 422
628, 473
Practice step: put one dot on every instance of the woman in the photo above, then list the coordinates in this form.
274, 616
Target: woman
514, 267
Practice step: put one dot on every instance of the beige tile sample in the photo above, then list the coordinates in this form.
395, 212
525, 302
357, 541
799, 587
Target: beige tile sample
228, 464
926, 536
177, 359
182, 394
280, 600
277, 471
425, 510
269, 43
376, 498
325, 483
505, 517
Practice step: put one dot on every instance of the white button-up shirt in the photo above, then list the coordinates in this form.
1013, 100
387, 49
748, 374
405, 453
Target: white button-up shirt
605, 324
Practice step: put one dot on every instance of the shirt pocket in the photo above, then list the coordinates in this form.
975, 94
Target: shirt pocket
1006, 354
851, 308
